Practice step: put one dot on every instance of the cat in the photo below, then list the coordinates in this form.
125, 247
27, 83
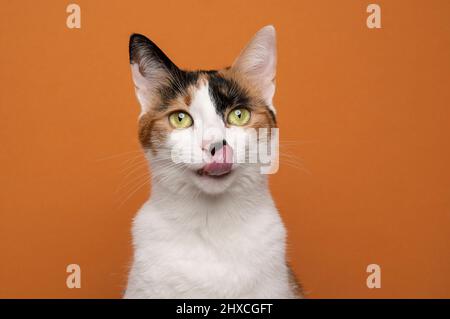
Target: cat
210, 228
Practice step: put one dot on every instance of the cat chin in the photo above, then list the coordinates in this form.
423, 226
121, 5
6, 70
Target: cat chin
214, 185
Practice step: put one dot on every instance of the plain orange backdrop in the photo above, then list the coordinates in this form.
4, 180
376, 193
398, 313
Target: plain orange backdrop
364, 121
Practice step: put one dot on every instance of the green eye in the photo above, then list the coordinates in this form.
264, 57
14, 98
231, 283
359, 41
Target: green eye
239, 116
180, 119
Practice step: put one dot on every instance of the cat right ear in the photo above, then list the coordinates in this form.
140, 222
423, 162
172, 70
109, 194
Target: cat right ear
151, 69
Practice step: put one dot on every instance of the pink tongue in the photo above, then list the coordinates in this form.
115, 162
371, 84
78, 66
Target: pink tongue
221, 162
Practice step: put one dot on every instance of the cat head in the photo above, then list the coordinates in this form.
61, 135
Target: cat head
193, 123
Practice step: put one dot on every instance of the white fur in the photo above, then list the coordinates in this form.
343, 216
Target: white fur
229, 246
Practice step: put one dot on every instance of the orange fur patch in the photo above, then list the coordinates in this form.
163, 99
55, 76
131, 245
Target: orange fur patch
154, 126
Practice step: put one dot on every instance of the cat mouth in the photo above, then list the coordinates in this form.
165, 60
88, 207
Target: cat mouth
215, 170
202, 173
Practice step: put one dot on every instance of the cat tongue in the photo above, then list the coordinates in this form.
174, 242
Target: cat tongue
216, 169
221, 162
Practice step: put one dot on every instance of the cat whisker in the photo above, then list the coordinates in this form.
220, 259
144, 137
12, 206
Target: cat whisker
130, 182
132, 167
147, 180
117, 155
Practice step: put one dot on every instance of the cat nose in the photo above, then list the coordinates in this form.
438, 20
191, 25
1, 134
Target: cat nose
215, 147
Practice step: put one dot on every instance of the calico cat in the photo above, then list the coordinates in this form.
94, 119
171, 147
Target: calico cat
210, 228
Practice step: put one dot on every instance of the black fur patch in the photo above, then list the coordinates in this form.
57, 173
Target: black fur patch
142, 50
179, 82
141, 47
226, 93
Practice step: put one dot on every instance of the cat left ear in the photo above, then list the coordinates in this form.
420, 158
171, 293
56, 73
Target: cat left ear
151, 69
258, 60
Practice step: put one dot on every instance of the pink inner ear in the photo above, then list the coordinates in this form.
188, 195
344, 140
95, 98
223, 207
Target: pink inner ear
258, 62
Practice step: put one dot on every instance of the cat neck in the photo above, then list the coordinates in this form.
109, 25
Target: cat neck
192, 208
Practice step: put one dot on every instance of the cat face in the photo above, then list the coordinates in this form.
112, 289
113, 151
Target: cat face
194, 125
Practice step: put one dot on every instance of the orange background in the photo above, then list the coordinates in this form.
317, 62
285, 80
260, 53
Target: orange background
364, 117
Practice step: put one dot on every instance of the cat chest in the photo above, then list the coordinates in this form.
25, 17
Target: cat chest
231, 266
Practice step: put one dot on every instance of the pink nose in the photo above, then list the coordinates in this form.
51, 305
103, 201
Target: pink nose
221, 159
221, 152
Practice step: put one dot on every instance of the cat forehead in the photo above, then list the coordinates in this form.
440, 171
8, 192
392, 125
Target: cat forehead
205, 91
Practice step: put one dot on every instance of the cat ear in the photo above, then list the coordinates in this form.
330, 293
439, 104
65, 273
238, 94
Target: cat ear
258, 61
151, 69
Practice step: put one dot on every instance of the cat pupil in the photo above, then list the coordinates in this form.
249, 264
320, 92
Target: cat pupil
180, 116
238, 113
